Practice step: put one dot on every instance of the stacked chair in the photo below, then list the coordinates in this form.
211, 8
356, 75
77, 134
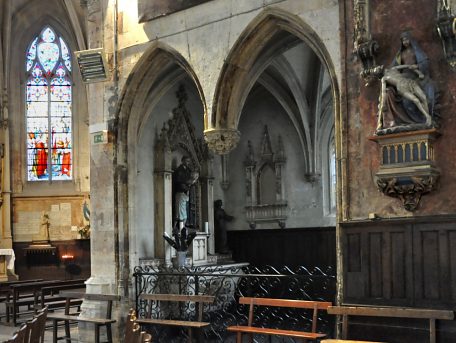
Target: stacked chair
32, 331
133, 333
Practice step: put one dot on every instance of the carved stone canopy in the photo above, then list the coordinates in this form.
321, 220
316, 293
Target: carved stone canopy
265, 203
407, 169
178, 133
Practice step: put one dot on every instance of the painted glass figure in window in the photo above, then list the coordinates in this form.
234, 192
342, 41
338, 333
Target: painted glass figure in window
48, 108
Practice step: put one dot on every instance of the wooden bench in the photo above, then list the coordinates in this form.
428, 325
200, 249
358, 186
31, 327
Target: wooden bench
199, 300
5, 287
304, 304
28, 294
50, 297
67, 317
393, 312
5, 291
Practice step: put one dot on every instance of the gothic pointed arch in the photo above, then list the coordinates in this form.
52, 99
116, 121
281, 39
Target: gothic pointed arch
268, 35
156, 70
138, 128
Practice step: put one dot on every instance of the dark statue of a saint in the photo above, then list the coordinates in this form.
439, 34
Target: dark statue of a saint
408, 96
220, 219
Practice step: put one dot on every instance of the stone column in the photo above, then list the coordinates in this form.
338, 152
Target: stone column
163, 198
6, 241
104, 227
207, 190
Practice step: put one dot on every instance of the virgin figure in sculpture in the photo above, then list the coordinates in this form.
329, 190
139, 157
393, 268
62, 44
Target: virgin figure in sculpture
407, 97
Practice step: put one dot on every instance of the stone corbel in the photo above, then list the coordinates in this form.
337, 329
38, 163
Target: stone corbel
222, 141
365, 47
408, 189
446, 28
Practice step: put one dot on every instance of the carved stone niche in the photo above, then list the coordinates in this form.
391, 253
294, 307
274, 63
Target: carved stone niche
407, 168
178, 138
265, 190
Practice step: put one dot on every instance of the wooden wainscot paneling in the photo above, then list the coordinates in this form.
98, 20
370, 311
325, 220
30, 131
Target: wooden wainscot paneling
435, 265
407, 262
311, 247
375, 263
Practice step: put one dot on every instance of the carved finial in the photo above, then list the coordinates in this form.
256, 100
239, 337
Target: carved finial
181, 95
280, 155
250, 157
266, 149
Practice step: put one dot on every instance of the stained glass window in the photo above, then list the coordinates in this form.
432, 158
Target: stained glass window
48, 108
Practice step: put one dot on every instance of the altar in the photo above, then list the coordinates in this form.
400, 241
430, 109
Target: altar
7, 259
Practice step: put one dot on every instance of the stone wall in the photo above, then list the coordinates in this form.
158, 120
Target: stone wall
388, 20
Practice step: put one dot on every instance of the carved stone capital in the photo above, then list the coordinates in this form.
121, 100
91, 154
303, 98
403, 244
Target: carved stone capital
222, 141
408, 189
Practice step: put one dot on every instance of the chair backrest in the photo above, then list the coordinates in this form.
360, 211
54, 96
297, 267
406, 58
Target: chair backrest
20, 336
37, 326
133, 333
200, 300
145, 337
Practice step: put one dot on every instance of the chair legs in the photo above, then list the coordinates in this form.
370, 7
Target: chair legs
67, 331
68, 334
109, 333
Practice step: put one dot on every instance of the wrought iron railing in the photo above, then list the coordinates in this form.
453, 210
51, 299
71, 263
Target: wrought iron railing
227, 284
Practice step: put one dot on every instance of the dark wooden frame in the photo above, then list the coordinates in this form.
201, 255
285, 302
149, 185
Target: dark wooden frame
269, 302
393, 312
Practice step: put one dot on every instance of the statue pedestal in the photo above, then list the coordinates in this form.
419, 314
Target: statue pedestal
407, 169
199, 249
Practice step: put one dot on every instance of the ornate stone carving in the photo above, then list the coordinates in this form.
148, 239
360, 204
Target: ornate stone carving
407, 169
364, 46
178, 134
446, 27
222, 141
408, 189
258, 209
408, 96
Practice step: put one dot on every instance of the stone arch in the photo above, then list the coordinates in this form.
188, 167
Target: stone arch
271, 27
157, 71
146, 75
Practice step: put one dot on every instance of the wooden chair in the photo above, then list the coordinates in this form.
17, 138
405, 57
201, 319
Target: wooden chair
37, 332
199, 301
270, 302
20, 336
133, 333
66, 318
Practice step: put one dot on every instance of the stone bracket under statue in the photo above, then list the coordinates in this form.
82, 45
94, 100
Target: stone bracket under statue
407, 166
